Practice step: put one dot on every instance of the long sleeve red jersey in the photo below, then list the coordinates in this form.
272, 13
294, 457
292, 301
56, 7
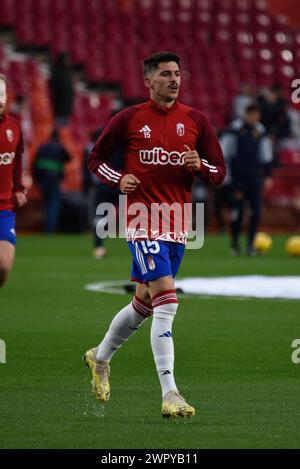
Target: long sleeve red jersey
11, 151
153, 139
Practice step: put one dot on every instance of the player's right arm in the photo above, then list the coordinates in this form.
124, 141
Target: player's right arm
110, 140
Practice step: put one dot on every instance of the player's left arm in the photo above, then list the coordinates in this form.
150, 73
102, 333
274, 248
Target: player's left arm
207, 159
19, 190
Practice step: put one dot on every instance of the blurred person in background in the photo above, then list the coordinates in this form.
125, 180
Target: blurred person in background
12, 190
245, 97
221, 201
294, 116
48, 173
274, 112
62, 89
98, 192
222, 194
248, 154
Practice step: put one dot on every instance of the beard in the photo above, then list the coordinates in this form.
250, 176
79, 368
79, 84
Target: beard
170, 98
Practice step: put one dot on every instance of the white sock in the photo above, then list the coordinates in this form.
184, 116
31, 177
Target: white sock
123, 325
164, 309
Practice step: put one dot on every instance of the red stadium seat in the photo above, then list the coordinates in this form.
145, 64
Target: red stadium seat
7, 13
221, 43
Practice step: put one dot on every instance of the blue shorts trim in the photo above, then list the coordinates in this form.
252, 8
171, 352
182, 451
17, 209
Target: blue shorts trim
7, 226
155, 259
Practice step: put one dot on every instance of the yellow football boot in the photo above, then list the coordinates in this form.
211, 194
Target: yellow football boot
100, 374
174, 406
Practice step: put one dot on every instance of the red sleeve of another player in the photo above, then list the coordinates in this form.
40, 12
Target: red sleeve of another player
18, 168
109, 141
213, 169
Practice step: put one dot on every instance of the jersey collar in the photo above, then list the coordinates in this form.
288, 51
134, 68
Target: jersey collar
163, 109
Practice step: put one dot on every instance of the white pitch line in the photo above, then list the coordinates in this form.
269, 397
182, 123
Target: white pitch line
108, 287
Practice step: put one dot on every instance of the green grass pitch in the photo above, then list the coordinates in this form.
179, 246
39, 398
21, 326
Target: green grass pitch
233, 356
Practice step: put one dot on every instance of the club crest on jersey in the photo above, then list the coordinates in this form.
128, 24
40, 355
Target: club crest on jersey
151, 262
180, 129
9, 135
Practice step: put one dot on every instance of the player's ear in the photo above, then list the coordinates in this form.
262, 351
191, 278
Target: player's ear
3, 92
147, 82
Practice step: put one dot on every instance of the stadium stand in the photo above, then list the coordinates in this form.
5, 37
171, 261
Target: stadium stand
235, 41
223, 43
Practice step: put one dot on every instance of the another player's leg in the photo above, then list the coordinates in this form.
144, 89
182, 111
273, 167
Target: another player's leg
254, 197
98, 198
99, 249
165, 303
7, 254
123, 326
7, 244
236, 217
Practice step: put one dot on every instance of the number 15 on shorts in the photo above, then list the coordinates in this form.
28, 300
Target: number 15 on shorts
151, 247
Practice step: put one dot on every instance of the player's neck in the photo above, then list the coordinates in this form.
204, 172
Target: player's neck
162, 103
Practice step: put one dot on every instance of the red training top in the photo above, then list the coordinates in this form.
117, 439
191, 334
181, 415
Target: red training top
153, 138
11, 151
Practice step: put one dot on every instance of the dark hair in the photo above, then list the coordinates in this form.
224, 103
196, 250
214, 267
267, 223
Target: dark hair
276, 87
252, 108
62, 60
151, 63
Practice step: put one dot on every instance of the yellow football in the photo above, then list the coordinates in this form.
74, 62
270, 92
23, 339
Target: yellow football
263, 242
292, 246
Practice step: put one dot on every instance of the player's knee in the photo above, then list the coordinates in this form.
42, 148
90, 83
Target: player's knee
165, 304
